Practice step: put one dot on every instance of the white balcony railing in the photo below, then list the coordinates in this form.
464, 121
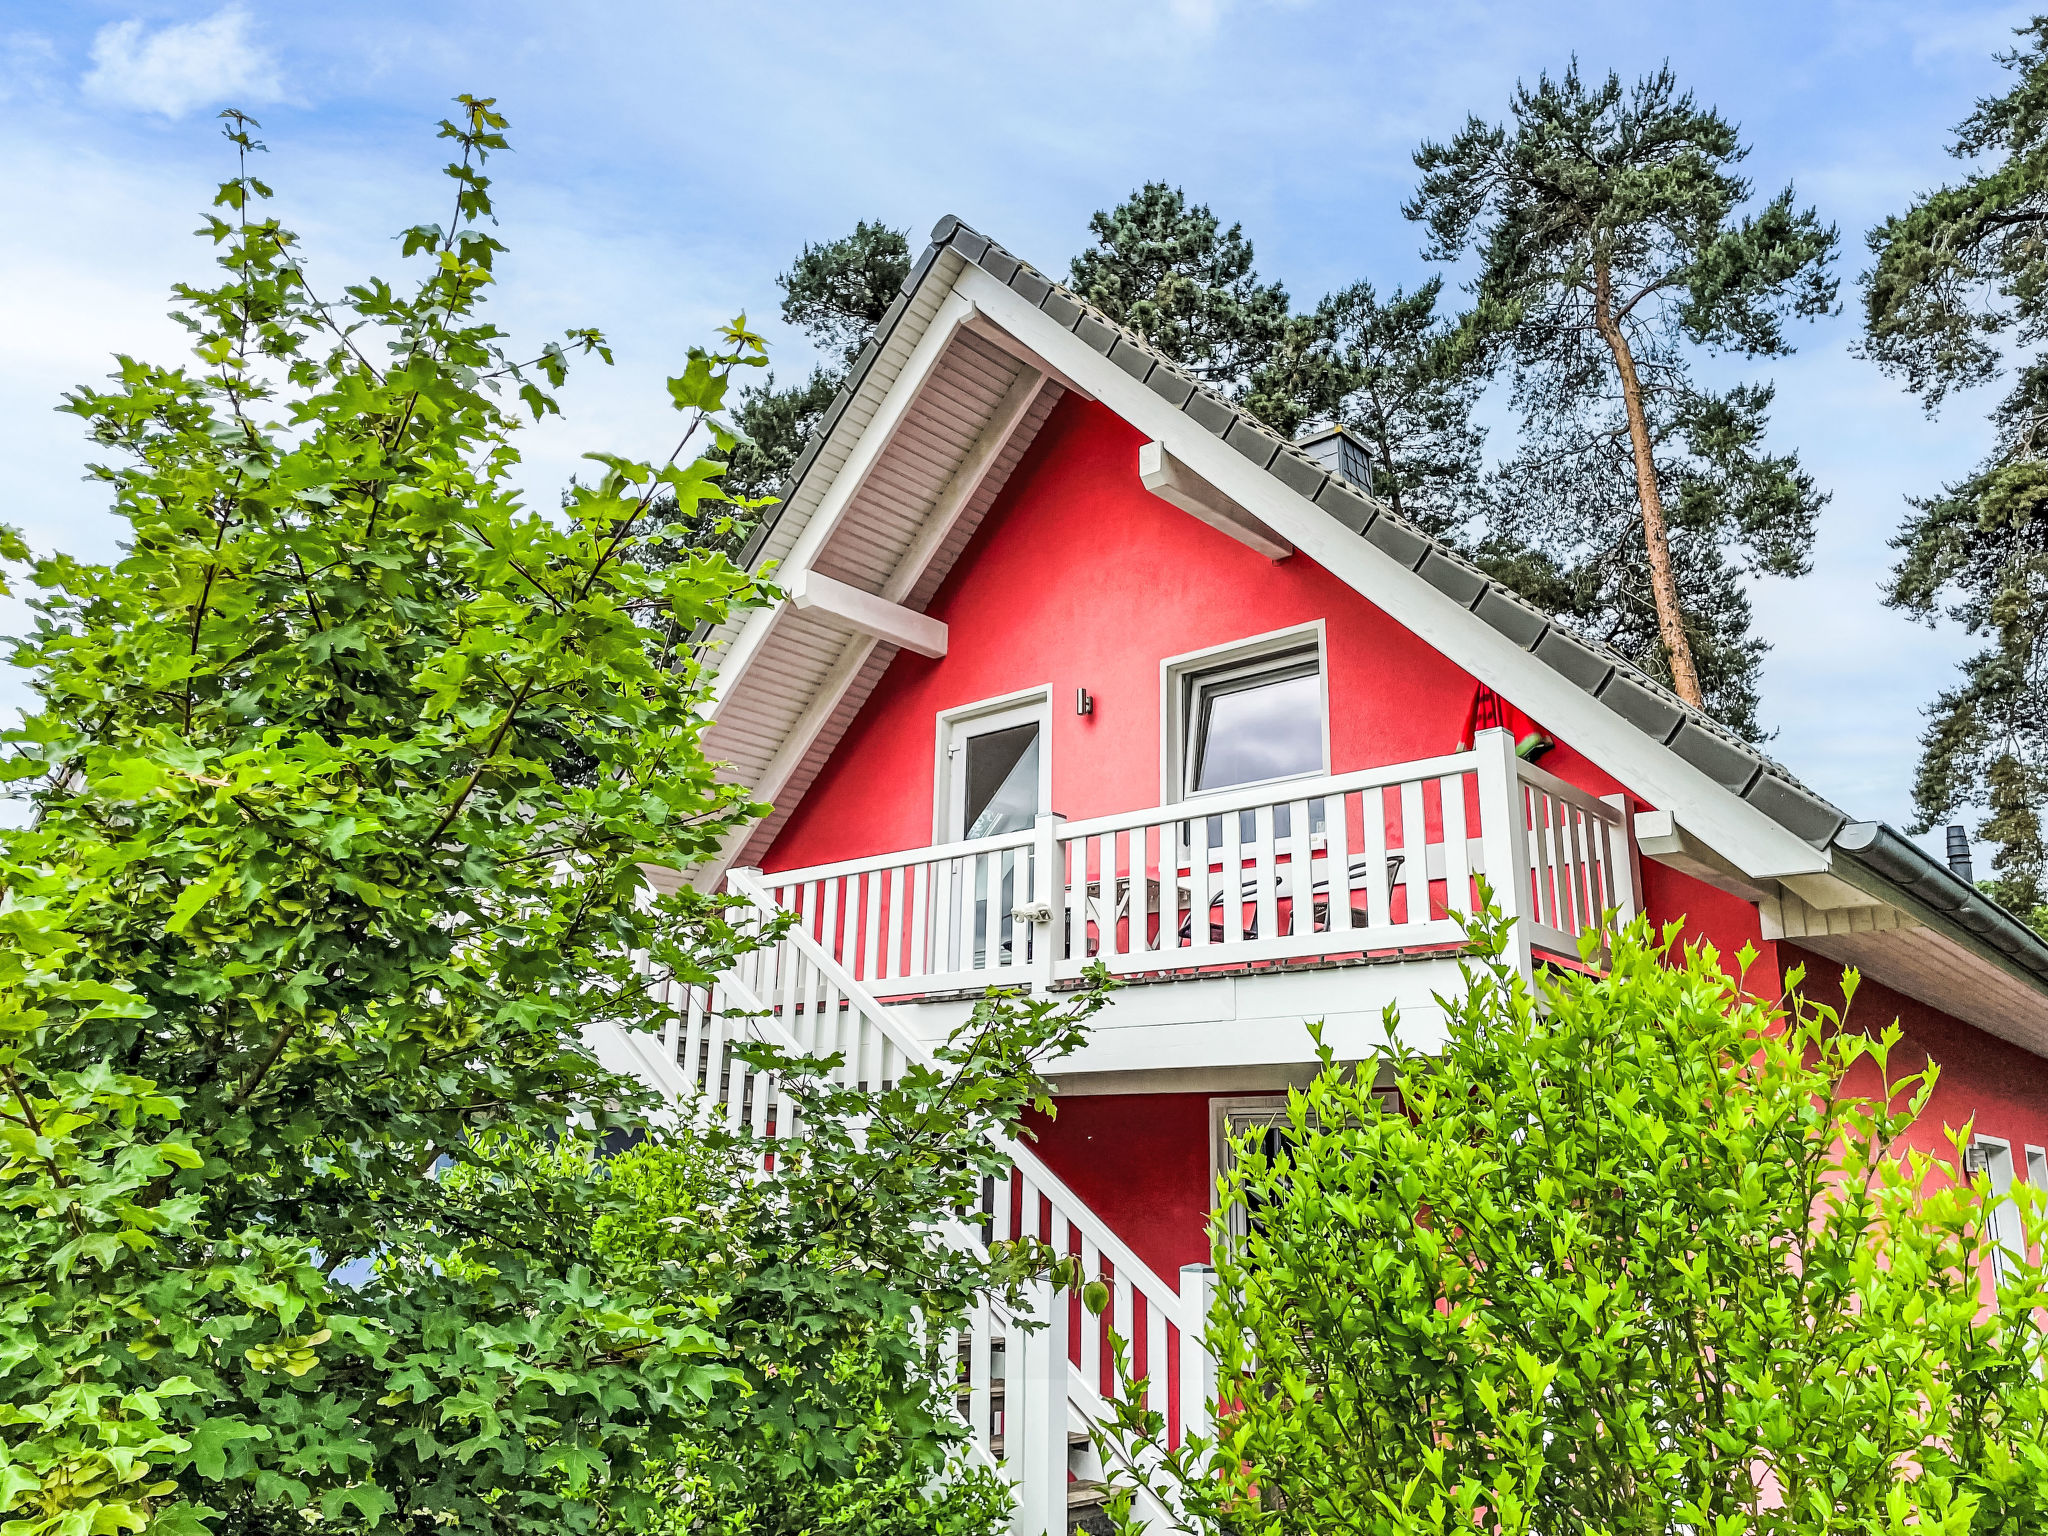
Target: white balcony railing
1381, 861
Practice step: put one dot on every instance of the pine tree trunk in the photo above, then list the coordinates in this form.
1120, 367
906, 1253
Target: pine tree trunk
1685, 679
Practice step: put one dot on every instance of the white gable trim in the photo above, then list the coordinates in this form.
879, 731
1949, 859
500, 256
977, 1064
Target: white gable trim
1735, 829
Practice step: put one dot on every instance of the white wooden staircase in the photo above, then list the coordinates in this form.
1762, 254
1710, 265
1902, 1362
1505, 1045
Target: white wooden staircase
1027, 1399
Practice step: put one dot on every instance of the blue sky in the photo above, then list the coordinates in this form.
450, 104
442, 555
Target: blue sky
670, 158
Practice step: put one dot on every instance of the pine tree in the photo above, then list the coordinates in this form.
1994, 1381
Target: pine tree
1174, 275
836, 292
1963, 267
1401, 378
1605, 222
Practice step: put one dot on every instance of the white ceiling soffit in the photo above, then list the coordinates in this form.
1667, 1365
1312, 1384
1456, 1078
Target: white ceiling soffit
1933, 969
885, 523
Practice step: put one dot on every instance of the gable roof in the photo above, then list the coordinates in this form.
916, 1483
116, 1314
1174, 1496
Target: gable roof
972, 378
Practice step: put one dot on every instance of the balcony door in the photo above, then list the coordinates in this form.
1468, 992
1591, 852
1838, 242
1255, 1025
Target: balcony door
994, 779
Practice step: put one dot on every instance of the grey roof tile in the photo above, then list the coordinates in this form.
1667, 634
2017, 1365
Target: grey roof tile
1512, 617
1572, 658
1302, 476
1096, 331
1727, 763
1649, 709
1452, 577
1171, 385
1064, 308
1210, 412
915, 275
1394, 537
1254, 443
1000, 264
1132, 358
1345, 504
1795, 808
971, 245
1031, 284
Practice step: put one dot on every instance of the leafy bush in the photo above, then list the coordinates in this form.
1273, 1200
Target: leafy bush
1634, 1252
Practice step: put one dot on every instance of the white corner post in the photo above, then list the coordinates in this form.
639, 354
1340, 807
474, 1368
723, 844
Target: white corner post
1504, 833
1035, 1415
1197, 1365
1048, 901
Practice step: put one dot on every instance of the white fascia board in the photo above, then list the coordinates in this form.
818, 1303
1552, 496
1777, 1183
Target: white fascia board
1755, 843
862, 458
868, 614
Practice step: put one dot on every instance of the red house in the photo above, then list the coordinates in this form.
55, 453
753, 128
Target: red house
1077, 663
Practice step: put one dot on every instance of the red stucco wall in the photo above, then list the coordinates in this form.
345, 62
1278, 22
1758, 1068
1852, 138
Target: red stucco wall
1140, 1161
2004, 1087
1080, 578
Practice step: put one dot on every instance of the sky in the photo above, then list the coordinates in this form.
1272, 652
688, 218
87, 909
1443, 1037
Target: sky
669, 159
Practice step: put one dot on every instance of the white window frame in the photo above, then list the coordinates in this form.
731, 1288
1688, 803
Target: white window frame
1177, 679
2004, 1226
1024, 707
1230, 1117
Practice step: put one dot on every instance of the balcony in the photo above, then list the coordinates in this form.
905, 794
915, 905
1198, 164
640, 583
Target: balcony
1352, 868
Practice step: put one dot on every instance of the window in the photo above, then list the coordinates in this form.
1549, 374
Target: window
994, 778
1993, 1158
1247, 714
1000, 781
1266, 1119
1256, 721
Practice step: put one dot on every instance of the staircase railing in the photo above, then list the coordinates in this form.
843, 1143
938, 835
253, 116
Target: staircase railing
1027, 1398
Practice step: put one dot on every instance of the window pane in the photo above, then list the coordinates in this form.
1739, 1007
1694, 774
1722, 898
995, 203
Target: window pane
1265, 731
1002, 781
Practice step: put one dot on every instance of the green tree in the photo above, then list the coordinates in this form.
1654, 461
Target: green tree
345, 778
1634, 1252
1605, 224
1565, 528
1401, 378
836, 292
1175, 276
1960, 270
827, 1273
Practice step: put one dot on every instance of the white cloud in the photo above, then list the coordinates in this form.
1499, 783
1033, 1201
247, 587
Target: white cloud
179, 67
26, 59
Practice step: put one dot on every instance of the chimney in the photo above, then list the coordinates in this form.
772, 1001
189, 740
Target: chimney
1340, 452
1959, 853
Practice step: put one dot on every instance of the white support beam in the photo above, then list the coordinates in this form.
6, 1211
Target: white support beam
1659, 836
1170, 480
867, 614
